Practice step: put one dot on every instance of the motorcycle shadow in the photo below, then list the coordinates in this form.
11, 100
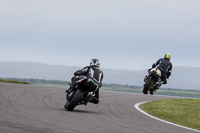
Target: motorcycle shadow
82, 111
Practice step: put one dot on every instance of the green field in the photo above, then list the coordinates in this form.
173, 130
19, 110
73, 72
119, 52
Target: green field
185, 112
108, 87
12, 81
111, 87
161, 91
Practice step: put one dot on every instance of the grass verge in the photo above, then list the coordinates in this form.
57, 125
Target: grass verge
12, 81
185, 112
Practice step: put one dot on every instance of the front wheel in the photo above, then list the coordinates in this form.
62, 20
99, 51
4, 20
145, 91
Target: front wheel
148, 86
70, 105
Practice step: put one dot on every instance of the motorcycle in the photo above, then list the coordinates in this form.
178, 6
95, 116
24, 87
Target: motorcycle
83, 92
152, 81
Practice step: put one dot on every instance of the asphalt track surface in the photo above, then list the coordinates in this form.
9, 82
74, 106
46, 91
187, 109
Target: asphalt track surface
37, 109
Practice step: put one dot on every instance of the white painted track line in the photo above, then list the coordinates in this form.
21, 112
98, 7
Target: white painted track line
137, 106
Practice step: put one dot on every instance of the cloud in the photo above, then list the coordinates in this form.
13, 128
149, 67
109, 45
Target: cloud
129, 34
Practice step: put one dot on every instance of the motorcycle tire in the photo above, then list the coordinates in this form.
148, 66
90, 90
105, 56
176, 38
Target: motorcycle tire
148, 86
152, 91
70, 105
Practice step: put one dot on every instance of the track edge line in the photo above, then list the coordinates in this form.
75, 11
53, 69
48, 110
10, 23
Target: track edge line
137, 106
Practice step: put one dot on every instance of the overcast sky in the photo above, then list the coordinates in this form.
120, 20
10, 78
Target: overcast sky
122, 34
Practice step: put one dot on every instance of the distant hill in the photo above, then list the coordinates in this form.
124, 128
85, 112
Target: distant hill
182, 77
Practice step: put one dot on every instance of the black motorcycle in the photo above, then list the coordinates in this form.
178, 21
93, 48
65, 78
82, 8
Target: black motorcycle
83, 92
152, 81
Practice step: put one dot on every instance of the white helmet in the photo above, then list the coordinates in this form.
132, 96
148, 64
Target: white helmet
95, 62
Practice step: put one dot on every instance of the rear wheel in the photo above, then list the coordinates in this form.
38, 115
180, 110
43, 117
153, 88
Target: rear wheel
148, 85
152, 91
70, 105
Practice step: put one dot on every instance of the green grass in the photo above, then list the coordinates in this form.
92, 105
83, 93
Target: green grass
110, 87
185, 112
12, 81
181, 93
135, 89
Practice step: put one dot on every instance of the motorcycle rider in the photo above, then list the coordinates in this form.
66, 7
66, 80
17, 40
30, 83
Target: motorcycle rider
91, 71
165, 66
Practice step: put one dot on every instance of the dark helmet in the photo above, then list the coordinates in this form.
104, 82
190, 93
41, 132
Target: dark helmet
95, 62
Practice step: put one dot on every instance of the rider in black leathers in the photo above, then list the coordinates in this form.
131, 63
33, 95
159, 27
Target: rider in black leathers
165, 66
91, 71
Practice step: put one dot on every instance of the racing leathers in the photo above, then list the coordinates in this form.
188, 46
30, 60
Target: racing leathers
89, 71
165, 66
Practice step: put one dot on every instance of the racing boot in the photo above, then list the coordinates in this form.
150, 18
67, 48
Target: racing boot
159, 84
146, 78
70, 89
